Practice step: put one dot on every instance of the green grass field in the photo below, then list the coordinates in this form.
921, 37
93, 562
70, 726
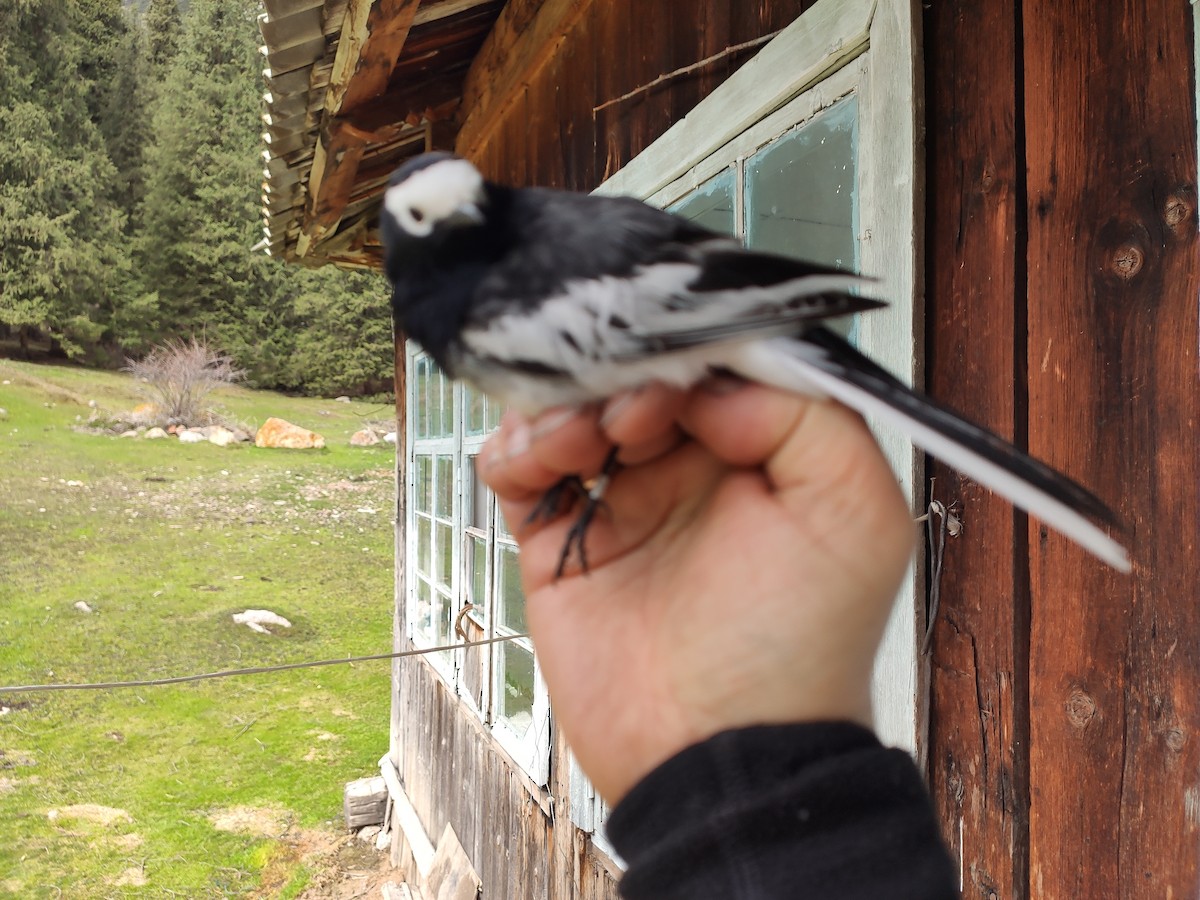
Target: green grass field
164, 541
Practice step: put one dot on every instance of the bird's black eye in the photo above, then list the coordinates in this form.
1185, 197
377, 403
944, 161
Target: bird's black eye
417, 215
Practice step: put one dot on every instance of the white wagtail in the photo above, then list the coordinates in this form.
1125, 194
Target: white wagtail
543, 298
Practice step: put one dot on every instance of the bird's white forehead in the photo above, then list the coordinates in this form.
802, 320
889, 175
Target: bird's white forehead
436, 191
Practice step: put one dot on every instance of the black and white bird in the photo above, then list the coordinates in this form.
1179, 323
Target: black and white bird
543, 298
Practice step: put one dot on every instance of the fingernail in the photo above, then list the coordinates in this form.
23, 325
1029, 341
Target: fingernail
613, 411
551, 422
722, 385
519, 437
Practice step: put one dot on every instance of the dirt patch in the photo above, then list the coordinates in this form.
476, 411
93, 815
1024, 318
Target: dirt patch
91, 813
256, 821
343, 867
131, 877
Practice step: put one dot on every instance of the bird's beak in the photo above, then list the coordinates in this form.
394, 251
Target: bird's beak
467, 214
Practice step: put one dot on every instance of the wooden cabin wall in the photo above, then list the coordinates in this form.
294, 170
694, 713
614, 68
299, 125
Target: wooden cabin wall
1063, 279
549, 135
519, 838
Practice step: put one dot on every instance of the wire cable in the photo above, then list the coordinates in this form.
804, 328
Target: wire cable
252, 670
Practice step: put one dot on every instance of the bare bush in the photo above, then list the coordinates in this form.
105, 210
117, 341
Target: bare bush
177, 376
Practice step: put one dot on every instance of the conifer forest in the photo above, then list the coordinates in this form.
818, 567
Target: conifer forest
130, 173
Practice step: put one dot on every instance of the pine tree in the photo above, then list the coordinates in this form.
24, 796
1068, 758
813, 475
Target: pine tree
62, 260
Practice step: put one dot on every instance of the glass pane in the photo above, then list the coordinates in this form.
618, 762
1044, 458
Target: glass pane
801, 190
711, 204
494, 412
512, 596
422, 615
477, 567
443, 619
474, 402
420, 407
448, 420
516, 687
424, 542
477, 497
435, 400
445, 549
424, 484
445, 487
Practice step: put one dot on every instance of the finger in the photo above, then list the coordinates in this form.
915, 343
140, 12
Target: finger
642, 417
650, 450
507, 465
569, 441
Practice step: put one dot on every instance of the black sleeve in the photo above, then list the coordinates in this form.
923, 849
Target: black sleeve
816, 810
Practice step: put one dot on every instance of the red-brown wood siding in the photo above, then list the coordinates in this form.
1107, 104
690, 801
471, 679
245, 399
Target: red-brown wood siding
975, 199
551, 136
1063, 284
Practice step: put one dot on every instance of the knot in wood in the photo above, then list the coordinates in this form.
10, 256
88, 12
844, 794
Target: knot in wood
1127, 260
1178, 210
1175, 740
1081, 709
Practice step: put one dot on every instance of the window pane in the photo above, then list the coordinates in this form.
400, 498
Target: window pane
515, 704
445, 486
424, 484
477, 497
711, 204
422, 618
445, 549
420, 410
494, 412
448, 420
443, 619
477, 567
512, 596
424, 542
475, 412
801, 190
435, 400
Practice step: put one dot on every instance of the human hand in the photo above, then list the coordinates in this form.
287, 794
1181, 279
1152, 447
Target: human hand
741, 571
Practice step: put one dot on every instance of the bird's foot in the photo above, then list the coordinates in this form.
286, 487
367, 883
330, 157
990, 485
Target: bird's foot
593, 500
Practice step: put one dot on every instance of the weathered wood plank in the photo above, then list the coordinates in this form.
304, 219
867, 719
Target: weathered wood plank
370, 43
978, 687
1113, 334
525, 37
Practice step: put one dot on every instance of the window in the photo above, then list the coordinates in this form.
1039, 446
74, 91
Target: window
810, 149
464, 577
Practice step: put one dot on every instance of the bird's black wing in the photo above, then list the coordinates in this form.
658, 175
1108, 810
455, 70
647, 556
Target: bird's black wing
661, 282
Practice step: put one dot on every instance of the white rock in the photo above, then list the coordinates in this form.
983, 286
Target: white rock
255, 619
368, 833
131, 433
222, 437
390, 437
154, 434
341, 399
91, 404
191, 437
82, 606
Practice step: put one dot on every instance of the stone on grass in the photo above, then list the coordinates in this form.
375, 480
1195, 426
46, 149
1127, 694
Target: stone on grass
82, 606
390, 437
281, 433
155, 433
258, 619
365, 438
132, 432
221, 436
191, 437
3, 413
342, 399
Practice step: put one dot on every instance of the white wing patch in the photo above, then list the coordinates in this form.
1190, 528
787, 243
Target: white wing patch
596, 338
